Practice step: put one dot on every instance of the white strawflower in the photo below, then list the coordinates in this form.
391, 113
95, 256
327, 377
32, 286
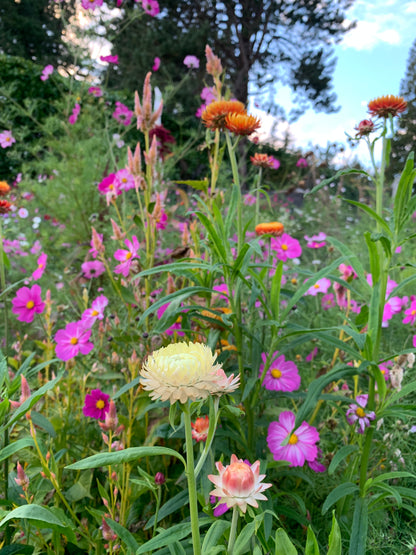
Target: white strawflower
183, 371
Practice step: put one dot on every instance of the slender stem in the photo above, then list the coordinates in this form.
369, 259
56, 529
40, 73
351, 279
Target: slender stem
233, 531
236, 179
258, 196
190, 474
158, 496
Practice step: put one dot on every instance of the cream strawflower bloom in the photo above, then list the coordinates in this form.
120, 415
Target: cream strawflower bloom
183, 371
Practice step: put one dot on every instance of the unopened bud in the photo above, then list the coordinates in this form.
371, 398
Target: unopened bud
160, 478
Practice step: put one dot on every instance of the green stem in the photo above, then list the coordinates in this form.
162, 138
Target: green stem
258, 196
158, 496
190, 474
236, 179
233, 531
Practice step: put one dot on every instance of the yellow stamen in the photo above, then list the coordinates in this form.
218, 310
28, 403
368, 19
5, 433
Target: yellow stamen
30, 304
293, 439
100, 404
94, 313
128, 255
74, 340
276, 373
284, 247
360, 412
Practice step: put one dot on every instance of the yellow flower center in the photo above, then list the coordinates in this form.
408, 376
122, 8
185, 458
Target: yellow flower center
124, 180
40, 266
413, 312
74, 340
293, 439
111, 187
100, 404
94, 313
316, 285
128, 255
360, 412
30, 304
284, 247
276, 373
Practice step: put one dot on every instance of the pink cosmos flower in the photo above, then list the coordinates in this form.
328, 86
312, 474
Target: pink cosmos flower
282, 375
191, 62
410, 313
294, 446
156, 64
321, 286
46, 72
110, 59
91, 4
347, 272
285, 247
122, 114
151, 7
249, 199
239, 484
75, 113
124, 180
222, 289
27, 303
72, 340
315, 241
385, 370
356, 413
328, 301
6, 139
95, 91
109, 186
175, 327
38, 273
200, 428
96, 404
275, 163
93, 269
96, 312
126, 257
302, 163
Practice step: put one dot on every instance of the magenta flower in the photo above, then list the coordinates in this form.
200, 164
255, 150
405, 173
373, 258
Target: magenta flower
96, 404
91, 4
315, 241
96, 312
347, 272
356, 413
410, 313
75, 113
151, 7
108, 185
95, 91
122, 114
126, 257
92, 269
302, 163
275, 163
175, 327
124, 180
321, 286
6, 139
38, 273
294, 446
46, 72
311, 355
328, 301
72, 340
282, 375
156, 64
110, 59
286, 247
27, 303
191, 62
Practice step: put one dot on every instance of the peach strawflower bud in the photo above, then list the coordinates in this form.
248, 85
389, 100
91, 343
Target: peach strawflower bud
25, 393
111, 419
107, 532
146, 118
239, 484
213, 66
185, 238
117, 233
22, 480
170, 285
135, 160
200, 428
97, 242
365, 127
151, 156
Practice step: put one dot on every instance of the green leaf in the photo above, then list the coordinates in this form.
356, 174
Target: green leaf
371, 213
358, 539
180, 268
176, 549
125, 456
283, 544
347, 488
126, 388
340, 456
43, 423
374, 258
17, 550
42, 517
199, 185
215, 239
14, 447
334, 542
126, 536
244, 538
392, 476
172, 505
312, 547
330, 180
171, 535
212, 537
275, 291
390, 492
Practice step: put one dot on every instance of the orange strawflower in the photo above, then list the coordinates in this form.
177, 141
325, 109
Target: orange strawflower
273, 228
383, 106
215, 113
241, 123
5, 206
4, 188
215, 314
262, 160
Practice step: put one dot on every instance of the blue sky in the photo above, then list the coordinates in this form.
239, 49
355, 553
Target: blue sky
371, 62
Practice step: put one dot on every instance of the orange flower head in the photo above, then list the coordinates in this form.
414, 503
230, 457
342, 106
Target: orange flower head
241, 123
262, 160
383, 106
216, 314
4, 188
5, 206
215, 113
273, 228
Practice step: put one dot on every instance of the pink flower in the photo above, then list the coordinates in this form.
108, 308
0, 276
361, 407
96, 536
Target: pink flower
312, 355
91, 4
294, 446
96, 312
275, 163
96, 404
249, 199
75, 113
410, 313
282, 375
175, 327
151, 7
93, 269
110, 59
95, 91
47, 70
356, 413
156, 64
27, 303
385, 370
124, 180
6, 139
191, 62
347, 272
328, 301
72, 340
239, 484
316, 241
286, 247
200, 428
321, 286
38, 273
109, 186
126, 257
302, 163
122, 114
